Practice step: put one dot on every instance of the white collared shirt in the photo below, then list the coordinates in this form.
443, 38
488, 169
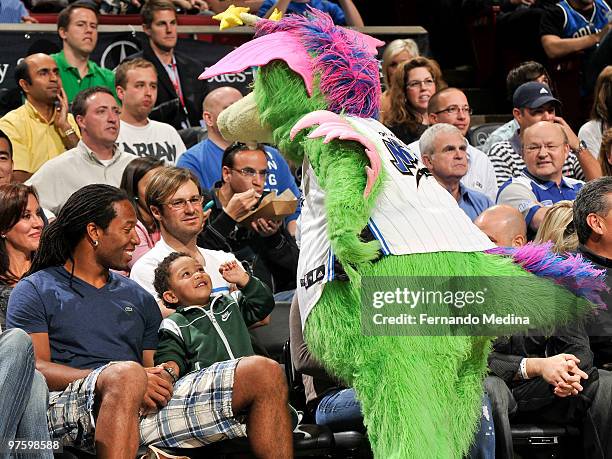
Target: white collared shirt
61, 176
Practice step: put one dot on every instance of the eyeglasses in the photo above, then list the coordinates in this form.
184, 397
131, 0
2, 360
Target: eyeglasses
180, 204
535, 149
250, 172
414, 84
454, 109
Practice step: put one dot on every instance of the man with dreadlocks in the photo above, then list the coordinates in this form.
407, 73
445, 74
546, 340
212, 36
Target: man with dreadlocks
95, 332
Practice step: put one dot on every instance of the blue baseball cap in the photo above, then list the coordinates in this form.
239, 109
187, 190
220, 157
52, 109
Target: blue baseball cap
533, 95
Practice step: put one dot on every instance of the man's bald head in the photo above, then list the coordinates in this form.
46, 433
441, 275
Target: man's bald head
504, 225
214, 103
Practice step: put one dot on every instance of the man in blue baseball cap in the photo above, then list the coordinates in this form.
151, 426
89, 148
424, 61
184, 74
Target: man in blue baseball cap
534, 102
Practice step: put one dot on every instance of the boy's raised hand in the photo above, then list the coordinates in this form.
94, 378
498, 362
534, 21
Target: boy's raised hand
232, 272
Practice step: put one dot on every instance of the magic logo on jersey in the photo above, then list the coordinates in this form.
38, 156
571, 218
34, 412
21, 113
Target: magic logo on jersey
404, 161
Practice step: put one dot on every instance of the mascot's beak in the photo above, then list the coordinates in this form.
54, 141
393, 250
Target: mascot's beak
240, 122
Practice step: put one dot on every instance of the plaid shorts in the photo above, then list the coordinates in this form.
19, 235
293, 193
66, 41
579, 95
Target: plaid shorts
200, 411
70, 414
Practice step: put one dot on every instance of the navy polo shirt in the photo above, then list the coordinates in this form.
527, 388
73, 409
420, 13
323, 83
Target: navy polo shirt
87, 326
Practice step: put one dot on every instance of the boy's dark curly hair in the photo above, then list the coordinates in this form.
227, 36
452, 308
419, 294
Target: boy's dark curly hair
161, 281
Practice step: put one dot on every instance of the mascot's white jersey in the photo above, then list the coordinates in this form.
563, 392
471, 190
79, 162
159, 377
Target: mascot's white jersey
413, 214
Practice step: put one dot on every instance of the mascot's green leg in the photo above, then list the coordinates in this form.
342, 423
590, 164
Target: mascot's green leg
421, 395
408, 386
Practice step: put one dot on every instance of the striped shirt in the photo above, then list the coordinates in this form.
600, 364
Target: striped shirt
508, 162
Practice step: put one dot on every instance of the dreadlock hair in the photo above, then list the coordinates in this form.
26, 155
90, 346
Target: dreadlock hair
161, 279
90, 204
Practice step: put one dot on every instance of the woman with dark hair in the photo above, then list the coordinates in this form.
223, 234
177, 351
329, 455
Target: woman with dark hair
21, 225
412, 85
601, 113
136, 177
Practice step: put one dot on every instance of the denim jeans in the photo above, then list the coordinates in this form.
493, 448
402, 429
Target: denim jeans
340, 411
23, 394
484, 441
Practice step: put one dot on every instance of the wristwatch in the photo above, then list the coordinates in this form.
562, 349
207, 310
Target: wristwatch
581, 147
170, 371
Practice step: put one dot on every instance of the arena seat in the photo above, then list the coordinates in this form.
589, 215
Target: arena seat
477, 135
546, 441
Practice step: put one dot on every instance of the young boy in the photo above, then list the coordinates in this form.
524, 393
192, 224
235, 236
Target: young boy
202, 332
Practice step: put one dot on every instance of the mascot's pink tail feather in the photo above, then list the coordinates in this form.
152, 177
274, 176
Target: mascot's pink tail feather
570, 270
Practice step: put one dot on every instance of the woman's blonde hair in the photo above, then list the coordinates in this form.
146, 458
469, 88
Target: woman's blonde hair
393, 49
606, 144
400, 111
558, 228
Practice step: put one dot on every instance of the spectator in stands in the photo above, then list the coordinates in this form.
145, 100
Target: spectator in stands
21, 225
572, 26
551, 380
96, 158
593, 223
136, 178
601, 113
41, 128
184, 286
14, 11
136, 82
524, 73
191, 6
533, 102
77, 26
541, 183
343, 13
396, 52
504, 225
6, 159
173, 196
605, 153
558, 228
23, 405
204, 159
179, 92
412, 85
444, 152
450, 105
265, 244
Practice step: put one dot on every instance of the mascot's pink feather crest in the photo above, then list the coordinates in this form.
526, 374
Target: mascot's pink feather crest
349, 77
262, 51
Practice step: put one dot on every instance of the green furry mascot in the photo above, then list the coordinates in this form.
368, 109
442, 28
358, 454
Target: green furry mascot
373, 213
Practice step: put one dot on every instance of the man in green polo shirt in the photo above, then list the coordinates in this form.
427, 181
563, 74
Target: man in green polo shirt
77, 26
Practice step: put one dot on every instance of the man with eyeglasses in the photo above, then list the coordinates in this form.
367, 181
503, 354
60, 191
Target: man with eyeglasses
204, 158
534, 102
174, 198
541, 183
450, 105
265, 243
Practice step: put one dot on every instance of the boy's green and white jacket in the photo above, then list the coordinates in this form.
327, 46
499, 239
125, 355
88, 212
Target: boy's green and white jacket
195, 337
